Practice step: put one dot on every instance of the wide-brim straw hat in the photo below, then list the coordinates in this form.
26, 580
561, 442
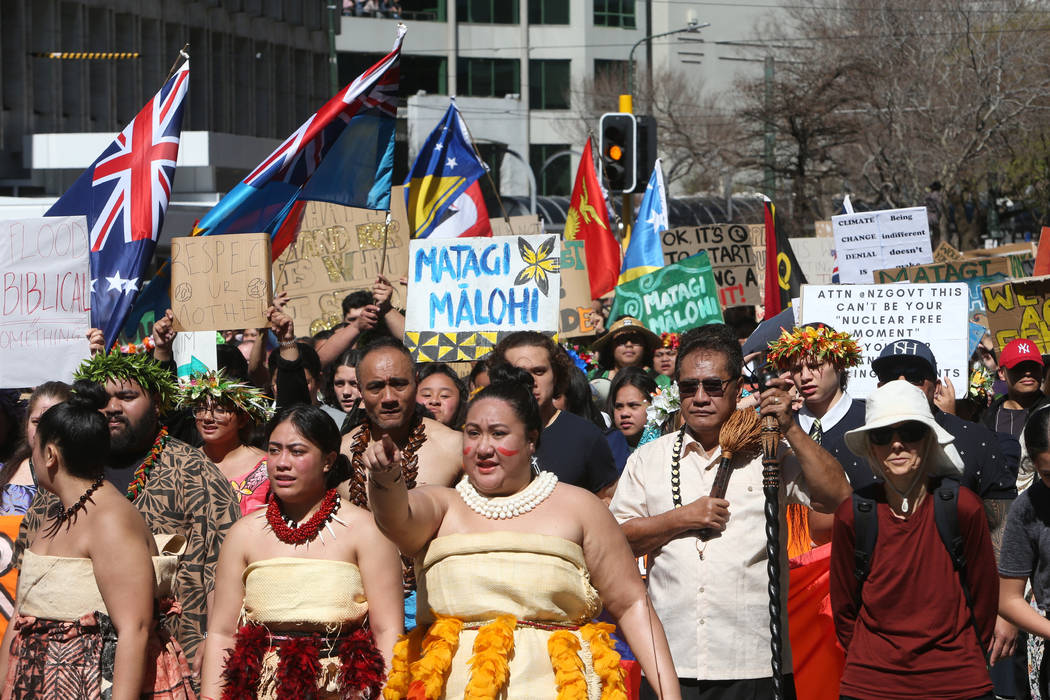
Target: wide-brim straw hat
624, 325
897, 402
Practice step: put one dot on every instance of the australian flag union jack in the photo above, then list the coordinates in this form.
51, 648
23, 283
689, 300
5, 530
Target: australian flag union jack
124, 195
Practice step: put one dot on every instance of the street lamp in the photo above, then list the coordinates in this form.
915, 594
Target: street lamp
693, 26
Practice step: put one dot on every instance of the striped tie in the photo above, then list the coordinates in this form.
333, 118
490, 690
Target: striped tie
815, 432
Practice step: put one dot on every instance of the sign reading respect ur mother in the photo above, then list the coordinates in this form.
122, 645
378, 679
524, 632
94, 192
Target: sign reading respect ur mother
876, 315
879, 240
469, 285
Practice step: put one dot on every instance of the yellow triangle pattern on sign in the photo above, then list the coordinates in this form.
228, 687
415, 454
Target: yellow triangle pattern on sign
432, 346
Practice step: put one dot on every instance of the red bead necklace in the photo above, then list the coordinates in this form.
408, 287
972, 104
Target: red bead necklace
291, 532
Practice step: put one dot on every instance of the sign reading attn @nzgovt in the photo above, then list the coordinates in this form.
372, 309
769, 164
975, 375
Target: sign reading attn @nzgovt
463, 293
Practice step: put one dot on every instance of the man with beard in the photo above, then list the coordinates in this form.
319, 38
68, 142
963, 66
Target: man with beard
175, 487
430, 452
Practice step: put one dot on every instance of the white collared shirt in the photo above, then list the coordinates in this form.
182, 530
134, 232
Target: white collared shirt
715, 610
835, 413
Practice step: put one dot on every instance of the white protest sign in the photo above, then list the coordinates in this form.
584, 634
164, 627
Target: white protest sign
45, 307
461, 287
877, 240
816, 257
878, 314
194, 351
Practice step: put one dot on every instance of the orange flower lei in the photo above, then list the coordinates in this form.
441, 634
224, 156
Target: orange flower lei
488, 666
564, 649
606, 660
430, 672
399, 678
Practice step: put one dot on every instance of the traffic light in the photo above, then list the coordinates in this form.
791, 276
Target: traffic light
618, 134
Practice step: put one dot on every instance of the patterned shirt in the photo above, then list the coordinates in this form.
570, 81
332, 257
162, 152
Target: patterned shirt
187, 495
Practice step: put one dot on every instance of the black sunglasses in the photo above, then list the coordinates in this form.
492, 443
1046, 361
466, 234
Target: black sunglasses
912, 375
911, 431
712, 387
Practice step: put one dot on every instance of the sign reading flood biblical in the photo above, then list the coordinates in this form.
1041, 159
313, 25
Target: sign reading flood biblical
879, 314
729, 249
45, 308
878, 240
220, 282
1019, 309
672, 299
463, 292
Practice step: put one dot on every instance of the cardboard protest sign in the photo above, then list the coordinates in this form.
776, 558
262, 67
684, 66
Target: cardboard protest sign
463, 293
816, 257
339, 249
45, 308
672, 299
194, 351
978, 314
519, 226
575, 291
1042, 255
957, 270
823, 229
729, 248
1019, 309
878, 240
220, 282
945, 253
879, 314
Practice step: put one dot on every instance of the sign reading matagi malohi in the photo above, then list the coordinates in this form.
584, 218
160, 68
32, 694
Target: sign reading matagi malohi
466, 285
879, 314
45, 302
878, 240
672, 299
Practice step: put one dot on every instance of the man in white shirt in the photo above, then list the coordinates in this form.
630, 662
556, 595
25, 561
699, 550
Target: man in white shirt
711, 596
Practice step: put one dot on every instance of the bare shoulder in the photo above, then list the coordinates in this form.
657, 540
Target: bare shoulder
441, 456
440, 432
115, 521
348, 440
247, 528
579, 499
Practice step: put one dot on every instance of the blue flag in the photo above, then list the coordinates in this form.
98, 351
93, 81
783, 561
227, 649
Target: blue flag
442, 194
644, 252
124, 195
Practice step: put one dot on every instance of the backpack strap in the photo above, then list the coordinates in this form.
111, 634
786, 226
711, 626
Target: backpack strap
866, 533
946, 516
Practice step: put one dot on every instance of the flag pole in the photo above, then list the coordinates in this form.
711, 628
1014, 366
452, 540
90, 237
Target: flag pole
182, 55
386, 227
488, 173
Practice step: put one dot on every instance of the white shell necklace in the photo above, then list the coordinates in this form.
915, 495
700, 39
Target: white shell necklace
505, 507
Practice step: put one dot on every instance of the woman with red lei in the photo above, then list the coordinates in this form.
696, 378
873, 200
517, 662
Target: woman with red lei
307, 591
86, 623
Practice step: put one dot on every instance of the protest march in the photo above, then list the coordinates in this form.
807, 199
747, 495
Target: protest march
355, 435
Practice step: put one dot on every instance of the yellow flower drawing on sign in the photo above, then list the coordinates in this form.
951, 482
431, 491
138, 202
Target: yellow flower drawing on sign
539, 263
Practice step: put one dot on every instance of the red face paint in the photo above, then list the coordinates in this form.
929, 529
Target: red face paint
505, 452
467, 451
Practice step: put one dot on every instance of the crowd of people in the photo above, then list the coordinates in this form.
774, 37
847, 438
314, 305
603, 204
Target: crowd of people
323, 517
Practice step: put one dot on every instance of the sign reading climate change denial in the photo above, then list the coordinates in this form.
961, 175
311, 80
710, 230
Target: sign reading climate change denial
729, 249
45, 307
879, 314
879, 240
672, 299
464, 292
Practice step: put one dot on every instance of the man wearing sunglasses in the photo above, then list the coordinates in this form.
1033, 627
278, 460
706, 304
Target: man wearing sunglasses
1021, 366
986, 470
710, 593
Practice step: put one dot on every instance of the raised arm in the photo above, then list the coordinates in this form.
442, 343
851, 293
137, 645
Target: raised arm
614, 573
409, 520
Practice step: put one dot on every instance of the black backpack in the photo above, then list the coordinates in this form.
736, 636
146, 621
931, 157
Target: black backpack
945, 515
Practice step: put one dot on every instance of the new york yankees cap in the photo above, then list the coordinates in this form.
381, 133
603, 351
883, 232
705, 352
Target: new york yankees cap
906, 348
1019, 350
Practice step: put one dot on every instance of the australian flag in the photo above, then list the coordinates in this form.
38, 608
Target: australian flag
124, 195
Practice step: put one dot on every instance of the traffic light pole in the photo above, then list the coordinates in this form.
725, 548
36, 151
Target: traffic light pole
626, 205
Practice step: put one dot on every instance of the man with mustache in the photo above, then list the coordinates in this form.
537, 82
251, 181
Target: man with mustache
175, 487
431, 452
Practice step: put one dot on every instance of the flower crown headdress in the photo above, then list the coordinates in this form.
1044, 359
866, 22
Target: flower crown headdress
669, 340
220, 389
150, 374
820, 343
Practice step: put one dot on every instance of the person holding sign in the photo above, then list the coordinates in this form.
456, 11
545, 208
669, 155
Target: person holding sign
175, 487
711, 595
226, 412
515, 566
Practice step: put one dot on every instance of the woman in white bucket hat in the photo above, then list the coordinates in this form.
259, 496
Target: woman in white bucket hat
906, 626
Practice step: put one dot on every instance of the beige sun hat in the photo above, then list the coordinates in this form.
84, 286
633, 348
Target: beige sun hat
896, 402
624, 325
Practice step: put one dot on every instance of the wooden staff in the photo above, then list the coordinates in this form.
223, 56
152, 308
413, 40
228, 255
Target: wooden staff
771, 490
741, 433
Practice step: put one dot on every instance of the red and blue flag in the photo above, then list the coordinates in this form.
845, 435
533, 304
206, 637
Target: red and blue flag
124, 195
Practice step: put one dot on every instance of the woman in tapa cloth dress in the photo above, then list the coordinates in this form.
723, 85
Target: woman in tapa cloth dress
302, 586
512, 567
85, 624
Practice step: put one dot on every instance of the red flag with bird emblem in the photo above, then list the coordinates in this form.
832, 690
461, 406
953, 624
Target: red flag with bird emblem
588, 221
